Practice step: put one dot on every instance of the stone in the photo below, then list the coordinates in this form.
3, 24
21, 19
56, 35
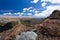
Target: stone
30, 35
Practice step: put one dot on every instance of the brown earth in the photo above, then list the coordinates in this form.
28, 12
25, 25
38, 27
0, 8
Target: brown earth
11, 34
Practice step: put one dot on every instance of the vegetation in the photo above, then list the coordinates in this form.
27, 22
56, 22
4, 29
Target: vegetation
13, 23
26, 22
7, 25
2, 24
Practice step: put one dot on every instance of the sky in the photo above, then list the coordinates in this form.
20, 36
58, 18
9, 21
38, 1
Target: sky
31, 8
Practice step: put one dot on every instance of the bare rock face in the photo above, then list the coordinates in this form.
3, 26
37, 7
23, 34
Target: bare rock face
55, 15
52, 23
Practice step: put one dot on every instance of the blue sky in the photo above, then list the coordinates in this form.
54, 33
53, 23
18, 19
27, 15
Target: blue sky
37, 8
17, 5
13, 4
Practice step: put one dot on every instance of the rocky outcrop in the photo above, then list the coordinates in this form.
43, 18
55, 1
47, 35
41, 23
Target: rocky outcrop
52, 24
29, 35
55, 15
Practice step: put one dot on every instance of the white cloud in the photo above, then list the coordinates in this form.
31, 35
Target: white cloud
36, 12
15, 13
29, 14
48, 11
45, 13
22, 13
30, 8
7, 13
52, 1
43, 4
34, 1
25, 9
18, 13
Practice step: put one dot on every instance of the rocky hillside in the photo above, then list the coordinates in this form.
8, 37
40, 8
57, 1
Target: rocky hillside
50, 28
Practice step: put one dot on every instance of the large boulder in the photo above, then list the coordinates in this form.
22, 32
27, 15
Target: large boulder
30, 35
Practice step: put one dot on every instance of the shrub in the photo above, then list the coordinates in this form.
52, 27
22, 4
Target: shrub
13, 23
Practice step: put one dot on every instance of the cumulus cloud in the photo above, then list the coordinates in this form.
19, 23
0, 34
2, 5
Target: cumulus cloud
15, 13
30, 14
43, 14
37, 14
36, 11
28, 9
34, 1
48, 11
18, 13
52, 1
25, 9
43, 4
7, 13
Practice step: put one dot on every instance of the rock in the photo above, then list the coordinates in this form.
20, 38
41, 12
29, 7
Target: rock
30, 35
52, 23
55, 15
